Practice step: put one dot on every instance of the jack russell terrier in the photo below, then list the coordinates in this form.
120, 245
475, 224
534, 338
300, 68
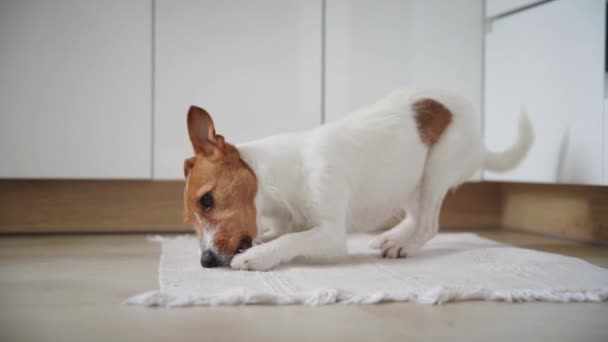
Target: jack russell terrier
385, 166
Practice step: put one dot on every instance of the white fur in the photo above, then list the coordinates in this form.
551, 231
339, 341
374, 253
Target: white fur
509, 158
209, 231
356, 174
207, 243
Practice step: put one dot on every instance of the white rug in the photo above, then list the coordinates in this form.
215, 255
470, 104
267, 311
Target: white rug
452, 267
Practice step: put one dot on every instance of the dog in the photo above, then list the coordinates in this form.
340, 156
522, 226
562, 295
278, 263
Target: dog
389, 165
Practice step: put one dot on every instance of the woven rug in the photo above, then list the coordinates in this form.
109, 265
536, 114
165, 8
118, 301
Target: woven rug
451, 267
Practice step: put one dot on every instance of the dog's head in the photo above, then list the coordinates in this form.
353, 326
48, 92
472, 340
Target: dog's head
219, 197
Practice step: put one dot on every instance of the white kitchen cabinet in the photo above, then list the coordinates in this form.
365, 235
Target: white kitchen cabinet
254, 65
75, 80
373, 47
550, 59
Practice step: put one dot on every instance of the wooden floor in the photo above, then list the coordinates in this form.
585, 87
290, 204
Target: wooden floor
70, 288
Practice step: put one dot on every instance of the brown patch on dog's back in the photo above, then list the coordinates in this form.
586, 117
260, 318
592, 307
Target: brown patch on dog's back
432, 118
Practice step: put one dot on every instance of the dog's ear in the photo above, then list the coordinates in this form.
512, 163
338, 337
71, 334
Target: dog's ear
202, 132
188, 165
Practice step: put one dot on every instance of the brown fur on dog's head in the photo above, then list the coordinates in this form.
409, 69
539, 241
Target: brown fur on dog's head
219, 198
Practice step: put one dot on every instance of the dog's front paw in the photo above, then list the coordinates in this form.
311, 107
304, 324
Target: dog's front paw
386, 240
254, 259
394, 252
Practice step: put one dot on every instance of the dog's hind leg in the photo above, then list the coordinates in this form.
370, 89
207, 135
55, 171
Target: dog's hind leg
431, 197
454, 155
392, 221
420, 225
392, 242
446, 165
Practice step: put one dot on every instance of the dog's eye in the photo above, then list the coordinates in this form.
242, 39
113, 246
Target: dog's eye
206, 201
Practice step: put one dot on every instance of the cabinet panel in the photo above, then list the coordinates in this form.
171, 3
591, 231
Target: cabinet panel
75, 80
373, 47
254, 65
549, 59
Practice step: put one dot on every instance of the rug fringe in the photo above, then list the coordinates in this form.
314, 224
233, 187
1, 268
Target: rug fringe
433, 296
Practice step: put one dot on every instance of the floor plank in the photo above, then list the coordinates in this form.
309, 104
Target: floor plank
69, 288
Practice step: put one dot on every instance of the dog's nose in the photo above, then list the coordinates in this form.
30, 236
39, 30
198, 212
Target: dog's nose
209, 259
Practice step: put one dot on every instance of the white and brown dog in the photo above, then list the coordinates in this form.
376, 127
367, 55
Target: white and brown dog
388, 165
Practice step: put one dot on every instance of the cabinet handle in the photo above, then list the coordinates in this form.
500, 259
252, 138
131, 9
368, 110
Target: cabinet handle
518, 10
562, 155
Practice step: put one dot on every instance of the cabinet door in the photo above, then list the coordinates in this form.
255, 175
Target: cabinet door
75, 89
549, 59
254, 65
373, 47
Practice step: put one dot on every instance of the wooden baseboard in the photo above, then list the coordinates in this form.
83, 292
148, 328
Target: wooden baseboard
568, 211
90, 206
54, 206
472, 205
42, 206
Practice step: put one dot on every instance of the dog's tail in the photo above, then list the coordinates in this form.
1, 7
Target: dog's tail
512, 156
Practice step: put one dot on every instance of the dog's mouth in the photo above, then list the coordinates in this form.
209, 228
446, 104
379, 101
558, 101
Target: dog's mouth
244, 245
211, 257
